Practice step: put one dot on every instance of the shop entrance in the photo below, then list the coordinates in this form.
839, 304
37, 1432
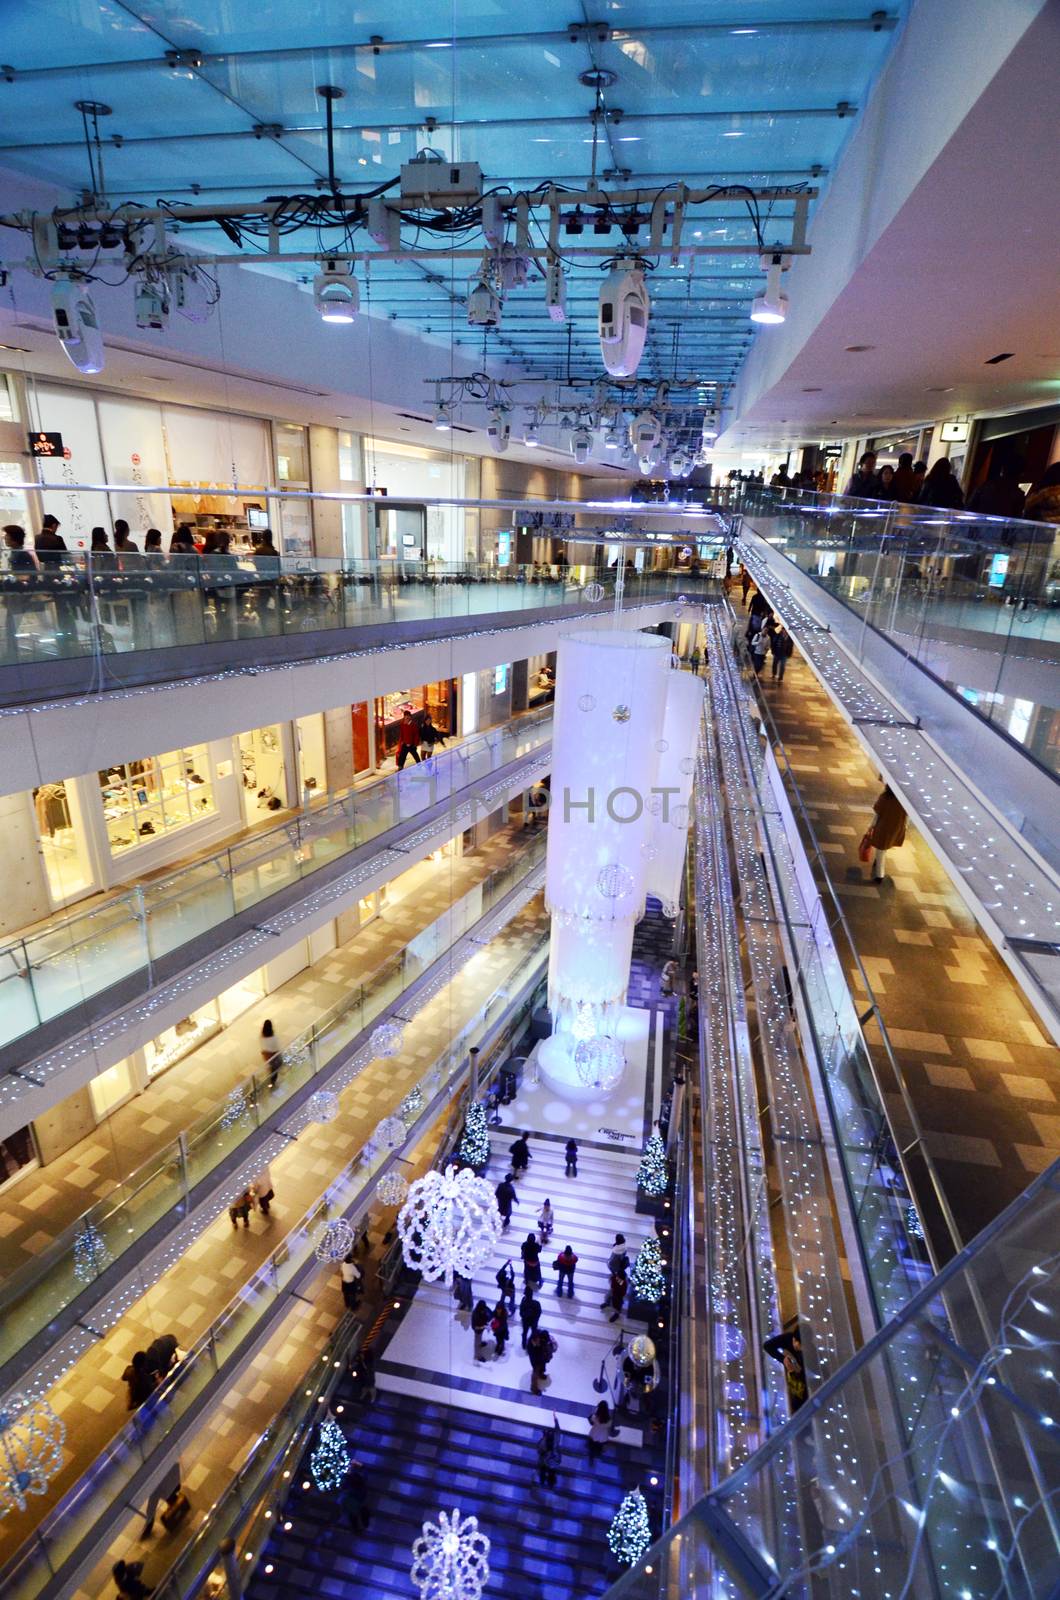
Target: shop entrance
400, 533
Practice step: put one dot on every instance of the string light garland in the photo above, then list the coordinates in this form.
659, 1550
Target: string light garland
629, 1535
450, 1559
31, 1449
330, 1460
449, 1223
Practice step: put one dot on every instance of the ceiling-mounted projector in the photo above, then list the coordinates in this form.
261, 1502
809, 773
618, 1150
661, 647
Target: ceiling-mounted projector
77, 325
335, 292
623, 319
483, 306
581, 442
499, 429
645, 432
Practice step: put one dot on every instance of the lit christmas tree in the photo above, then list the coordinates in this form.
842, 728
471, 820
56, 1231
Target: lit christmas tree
330, 1461
653, 1174
649, 1282
475, 1145
630, 1532
91, 1255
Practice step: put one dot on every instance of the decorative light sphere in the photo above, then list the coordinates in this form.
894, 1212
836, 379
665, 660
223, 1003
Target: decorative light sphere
594, 592
599, 1062
679, 816
655, 805
614, 881
449, 1223
334, 1240
621, 713
323, 1106
587, 702
662, 745
31, 1449
389, 1134
642, 1351
411, 1106
649, 849
669, 909
687, 764
392, 1189
449, 1559
387, 1039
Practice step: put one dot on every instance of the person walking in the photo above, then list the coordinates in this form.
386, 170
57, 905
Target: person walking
787, 1349
240, 1209
430, 735
599, 1429
355, 1497
507, 1197
126, 1575
540, 1347
271, 1052
264, 1193
745, 584
548, 1459
781, 645
529, 1314
940, 487
618, 1261
546, 1221
123, 540
616, 1294
352, 1280
530, 1251
480, 1321
693, 661
886, 832
163, 1354
463, 1293
572, 1159
499, 1327
140, 1380
505, 1281
520, 1154
565, 1264
759, 647
864, 483
904, 484
408, 739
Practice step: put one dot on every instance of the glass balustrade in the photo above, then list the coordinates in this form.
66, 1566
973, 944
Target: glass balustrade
973, 599
88, 606
960, 1497
70, 1523
36, 1292
73, 957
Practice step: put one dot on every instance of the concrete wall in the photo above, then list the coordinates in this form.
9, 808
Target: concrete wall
25, 897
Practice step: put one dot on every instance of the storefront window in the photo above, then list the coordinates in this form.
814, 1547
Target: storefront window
264, 771
8, 398
241, 996
312, 760
143, 799
180, 1040
62, 840
110, 1089
437, 698
18, 1154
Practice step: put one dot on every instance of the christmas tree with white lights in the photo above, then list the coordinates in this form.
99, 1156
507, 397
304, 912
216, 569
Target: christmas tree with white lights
630, 1532
330, 1461
649, 1281
475, 1145
653, 1174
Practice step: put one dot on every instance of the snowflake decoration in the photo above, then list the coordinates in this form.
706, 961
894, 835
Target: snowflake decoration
392, 1189
323, 1106
587, 702
449, 1223
411, 1106
237, 1108
334, 1240
387, 1039
599, 1062
449, 1559
594, 592
662, 745
31, 1449
687, 765
91, 1255
679, 817
389, 1134
614, 881
621, 713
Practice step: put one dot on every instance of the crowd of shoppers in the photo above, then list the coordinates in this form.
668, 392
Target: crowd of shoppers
999, 495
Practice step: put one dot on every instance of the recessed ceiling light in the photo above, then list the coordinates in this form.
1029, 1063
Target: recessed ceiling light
856, 349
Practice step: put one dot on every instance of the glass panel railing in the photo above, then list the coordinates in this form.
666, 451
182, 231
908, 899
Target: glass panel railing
35, 1293
67, 1527
959, 1496
74, 957
973, 598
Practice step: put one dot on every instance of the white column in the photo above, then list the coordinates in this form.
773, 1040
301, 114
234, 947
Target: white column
610, 697
677, 765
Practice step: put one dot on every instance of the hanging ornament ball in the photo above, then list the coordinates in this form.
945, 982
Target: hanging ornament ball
411, 1106
599, 1062
587, 702
649, 849
614, 881
679, 817
642, 1351
655, 805
387, 1039
449, 1559
449, 1223
323, 1106
389, 1134
621, 713
334, 1240
688, 765
662, 745
669, 909
392, 1189
31, 1448
594, 592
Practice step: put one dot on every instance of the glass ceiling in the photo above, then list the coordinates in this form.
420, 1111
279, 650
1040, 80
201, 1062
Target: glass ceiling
705, 91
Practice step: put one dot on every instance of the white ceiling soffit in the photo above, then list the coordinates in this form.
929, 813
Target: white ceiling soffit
964, 269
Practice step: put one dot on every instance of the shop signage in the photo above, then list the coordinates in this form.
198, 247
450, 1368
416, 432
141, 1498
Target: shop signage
45, 444
954, 433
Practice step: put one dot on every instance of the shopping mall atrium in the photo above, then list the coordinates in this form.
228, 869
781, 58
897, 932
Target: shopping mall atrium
530, 733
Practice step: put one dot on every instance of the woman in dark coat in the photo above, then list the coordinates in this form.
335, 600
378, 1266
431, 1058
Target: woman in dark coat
887, 830
941, 487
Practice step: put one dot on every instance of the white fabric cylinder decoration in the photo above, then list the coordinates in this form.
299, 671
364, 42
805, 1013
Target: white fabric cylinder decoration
610, 697
677, 764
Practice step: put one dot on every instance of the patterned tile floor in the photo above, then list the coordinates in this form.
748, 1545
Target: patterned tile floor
983, 1075
43, 1203
91, 1396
